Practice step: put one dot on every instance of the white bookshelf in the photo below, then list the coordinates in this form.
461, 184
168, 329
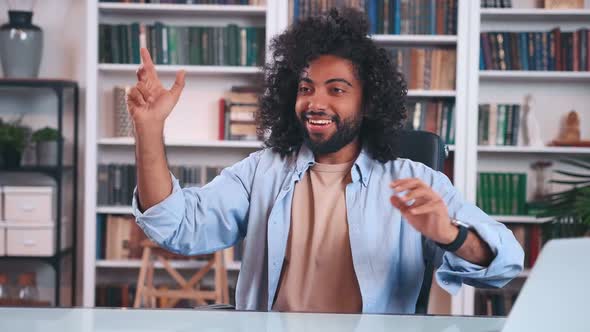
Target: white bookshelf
193, 125
519, 219
547, 150
114, 209
180, 9
554, 94
130, 142
192, 128
177, 264
548, 76
534, 14
432, 93
416, 40
173, 69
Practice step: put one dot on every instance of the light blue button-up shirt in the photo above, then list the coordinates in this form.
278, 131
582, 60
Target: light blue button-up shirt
252, 200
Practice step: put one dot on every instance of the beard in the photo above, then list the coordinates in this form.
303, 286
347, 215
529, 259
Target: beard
346, 131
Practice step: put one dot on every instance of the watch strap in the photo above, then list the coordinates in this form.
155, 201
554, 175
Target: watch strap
458, 242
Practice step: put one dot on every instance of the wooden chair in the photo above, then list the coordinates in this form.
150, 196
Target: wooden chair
148, 295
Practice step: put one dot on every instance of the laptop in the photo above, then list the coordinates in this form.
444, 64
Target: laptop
556, 295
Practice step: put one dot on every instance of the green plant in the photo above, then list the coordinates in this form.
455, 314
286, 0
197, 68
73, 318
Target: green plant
46, 134
568, 210
13, 135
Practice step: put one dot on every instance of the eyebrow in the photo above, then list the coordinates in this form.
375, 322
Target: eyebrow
308, 80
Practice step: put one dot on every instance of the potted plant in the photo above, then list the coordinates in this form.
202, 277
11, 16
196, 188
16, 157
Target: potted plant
47, 142
13, 141
568, 210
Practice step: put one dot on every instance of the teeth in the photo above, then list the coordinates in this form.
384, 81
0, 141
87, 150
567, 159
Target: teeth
320, 122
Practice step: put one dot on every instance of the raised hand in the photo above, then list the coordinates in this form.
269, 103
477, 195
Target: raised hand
148, 102
424, 209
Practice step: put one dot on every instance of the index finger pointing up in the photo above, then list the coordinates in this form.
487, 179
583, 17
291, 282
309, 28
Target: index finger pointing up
145, 57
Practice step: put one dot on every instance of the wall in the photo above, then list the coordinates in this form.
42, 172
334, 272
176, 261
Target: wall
63, 25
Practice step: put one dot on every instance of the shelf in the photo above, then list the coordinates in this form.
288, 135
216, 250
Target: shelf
519, 219
136, 263
39, 169
130, 141
114, 209
51, 258
533, 150
527, 15
415, 39
432, 93
189, 69
180, 9
573, 76
37, 83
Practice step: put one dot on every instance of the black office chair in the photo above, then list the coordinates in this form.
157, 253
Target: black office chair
429, 149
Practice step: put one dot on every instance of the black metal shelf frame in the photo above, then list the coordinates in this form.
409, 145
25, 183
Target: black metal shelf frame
59, 87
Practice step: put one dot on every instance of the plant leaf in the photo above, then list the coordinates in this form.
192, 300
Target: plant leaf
575, 175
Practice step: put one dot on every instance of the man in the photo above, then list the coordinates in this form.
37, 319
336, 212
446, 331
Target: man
333, 220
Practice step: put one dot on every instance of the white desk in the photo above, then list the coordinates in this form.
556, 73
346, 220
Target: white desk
135, 320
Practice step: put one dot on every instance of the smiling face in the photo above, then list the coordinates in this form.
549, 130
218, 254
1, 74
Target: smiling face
328, 106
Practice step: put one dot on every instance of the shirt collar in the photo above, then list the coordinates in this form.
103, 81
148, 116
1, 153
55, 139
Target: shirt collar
361, 170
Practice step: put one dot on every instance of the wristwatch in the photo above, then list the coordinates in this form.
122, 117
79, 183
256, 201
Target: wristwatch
459, 240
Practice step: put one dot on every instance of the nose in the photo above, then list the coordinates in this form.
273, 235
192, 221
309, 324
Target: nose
317, 103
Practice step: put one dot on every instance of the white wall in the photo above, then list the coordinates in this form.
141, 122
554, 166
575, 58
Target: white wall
63, 25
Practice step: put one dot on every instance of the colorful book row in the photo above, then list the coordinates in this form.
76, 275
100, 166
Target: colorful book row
555, 50
498, 124
182, 45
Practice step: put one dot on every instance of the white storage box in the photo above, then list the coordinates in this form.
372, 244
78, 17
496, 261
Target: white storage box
33, 239
2, 240
29, 204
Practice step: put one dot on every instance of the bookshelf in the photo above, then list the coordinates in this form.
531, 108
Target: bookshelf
191, 130
130, 141
545, 76
554, 93
173, 69
182, 9
419, 40
136, 263
533, 14
548, 150
519, 219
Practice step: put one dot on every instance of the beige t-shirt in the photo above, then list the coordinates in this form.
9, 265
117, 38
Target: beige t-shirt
318, 274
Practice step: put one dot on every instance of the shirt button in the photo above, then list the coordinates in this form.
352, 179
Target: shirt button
286, 188
446, 282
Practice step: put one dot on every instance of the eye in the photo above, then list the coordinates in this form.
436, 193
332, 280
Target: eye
304, 89
338, 90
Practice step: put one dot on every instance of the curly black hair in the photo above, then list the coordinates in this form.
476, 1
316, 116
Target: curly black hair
343, 33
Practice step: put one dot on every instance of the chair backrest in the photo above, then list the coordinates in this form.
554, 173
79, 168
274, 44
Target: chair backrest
424, 147
429, 149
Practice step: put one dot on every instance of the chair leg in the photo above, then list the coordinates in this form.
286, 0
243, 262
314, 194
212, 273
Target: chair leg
221, 279
150, 285
139, 293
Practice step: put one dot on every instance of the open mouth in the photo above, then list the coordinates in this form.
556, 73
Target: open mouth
318, 125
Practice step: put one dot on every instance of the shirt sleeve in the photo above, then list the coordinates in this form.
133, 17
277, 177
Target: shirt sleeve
508, 254
201, 220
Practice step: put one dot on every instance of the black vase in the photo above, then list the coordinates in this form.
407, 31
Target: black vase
21, 45
11, 158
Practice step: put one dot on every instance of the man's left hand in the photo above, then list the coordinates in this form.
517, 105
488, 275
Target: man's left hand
424, 209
